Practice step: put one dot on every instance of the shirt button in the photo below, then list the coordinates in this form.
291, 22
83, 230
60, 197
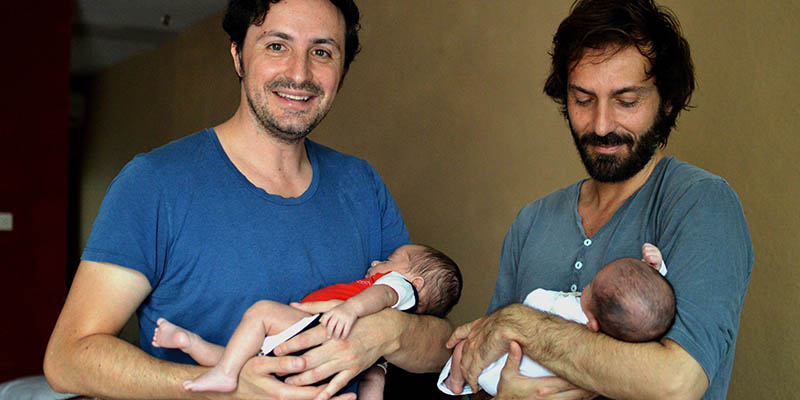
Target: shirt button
578, 265
587, 242
573, 288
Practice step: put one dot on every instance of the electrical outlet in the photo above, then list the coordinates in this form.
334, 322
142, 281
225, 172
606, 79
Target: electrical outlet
6, 221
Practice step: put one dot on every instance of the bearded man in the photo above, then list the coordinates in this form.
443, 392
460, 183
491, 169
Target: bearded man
621, 72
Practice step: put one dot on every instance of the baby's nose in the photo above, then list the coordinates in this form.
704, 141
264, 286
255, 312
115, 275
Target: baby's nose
374, 263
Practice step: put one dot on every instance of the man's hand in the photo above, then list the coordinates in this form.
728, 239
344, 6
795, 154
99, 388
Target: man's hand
484, 341
514, 386
342, 359
257, 380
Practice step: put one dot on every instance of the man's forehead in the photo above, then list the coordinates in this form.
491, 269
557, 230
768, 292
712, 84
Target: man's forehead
314, 19
625, 66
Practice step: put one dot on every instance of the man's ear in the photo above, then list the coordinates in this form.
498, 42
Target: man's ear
237, 59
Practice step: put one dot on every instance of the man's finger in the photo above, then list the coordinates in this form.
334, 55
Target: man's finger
514, 358
310, 338
460, 334
316, 307
336, 384
456, 380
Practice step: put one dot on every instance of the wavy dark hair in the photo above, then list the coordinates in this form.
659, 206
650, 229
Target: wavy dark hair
618, 24
243, 13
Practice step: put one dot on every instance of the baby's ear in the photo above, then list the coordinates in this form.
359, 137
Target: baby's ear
592, 323
418, 282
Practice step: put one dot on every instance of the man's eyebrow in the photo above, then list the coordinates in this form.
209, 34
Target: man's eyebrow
639, 90
328, 41
575, 88
277, 34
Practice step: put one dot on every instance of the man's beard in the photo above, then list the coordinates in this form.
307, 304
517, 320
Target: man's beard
612, 168
281, 130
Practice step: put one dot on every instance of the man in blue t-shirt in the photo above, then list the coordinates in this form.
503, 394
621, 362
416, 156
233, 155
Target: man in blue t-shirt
201, 228
621, 72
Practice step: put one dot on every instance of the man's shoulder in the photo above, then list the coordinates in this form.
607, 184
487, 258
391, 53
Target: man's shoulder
334, 163
182, 150
557, 202
329, 155
677, 172
675, 177
174, 161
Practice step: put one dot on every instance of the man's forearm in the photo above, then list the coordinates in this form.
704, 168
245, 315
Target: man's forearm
106, 367
419, 344
602, 364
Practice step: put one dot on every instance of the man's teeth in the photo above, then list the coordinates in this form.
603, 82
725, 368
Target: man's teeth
293, 97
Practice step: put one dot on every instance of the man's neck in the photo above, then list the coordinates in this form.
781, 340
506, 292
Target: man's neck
598, 201
278, 167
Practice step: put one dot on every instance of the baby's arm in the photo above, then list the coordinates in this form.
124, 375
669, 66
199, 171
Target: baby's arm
652, 255
340, 319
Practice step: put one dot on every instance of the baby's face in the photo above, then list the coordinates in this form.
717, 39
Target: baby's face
399, 262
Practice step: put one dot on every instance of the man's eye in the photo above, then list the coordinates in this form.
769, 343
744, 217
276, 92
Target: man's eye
628, 104
583, 102
321, 53
275, 46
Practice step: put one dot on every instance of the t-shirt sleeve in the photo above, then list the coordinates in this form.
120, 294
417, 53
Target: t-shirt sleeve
130, 229
393, 230
404, 289
707, 243
505, 286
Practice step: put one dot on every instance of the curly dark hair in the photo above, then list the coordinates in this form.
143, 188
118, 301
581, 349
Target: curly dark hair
616, 25
243, 13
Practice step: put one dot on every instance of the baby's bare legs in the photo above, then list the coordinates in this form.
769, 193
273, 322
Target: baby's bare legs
171, 336
651, 255
261, 319
372, 384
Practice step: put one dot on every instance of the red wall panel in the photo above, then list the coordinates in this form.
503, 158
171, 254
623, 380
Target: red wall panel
34, 112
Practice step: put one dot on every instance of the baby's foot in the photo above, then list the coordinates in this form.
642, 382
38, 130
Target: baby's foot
171, 336
651, 255
212, 381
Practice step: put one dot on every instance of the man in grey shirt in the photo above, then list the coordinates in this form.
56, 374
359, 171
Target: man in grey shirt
621, 72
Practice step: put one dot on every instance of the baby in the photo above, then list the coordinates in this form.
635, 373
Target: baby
415, 278
628, 299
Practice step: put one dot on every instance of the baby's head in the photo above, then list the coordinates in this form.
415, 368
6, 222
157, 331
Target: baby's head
629, 300
435, 276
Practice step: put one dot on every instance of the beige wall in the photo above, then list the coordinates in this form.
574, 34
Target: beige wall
445, 101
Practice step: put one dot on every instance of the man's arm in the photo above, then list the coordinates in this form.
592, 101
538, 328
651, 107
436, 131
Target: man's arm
592, 361
412, 342
84, 355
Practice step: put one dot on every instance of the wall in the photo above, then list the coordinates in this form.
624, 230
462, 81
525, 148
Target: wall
445, 101
33, 188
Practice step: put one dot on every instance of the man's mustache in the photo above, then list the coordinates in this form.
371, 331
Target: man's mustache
610, 139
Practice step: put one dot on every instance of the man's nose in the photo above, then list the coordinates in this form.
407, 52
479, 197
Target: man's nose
604, 119
299, 69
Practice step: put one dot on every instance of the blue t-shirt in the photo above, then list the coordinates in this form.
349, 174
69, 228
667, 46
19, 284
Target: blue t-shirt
211, 243
692, 216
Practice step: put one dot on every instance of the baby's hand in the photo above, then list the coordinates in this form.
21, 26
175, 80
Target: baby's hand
338, 321
651, 255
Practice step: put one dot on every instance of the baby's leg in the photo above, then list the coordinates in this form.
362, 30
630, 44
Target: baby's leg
171, 336
261, 319
372, 384
651, 255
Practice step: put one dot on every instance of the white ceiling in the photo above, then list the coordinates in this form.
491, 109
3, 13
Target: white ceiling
108, 31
